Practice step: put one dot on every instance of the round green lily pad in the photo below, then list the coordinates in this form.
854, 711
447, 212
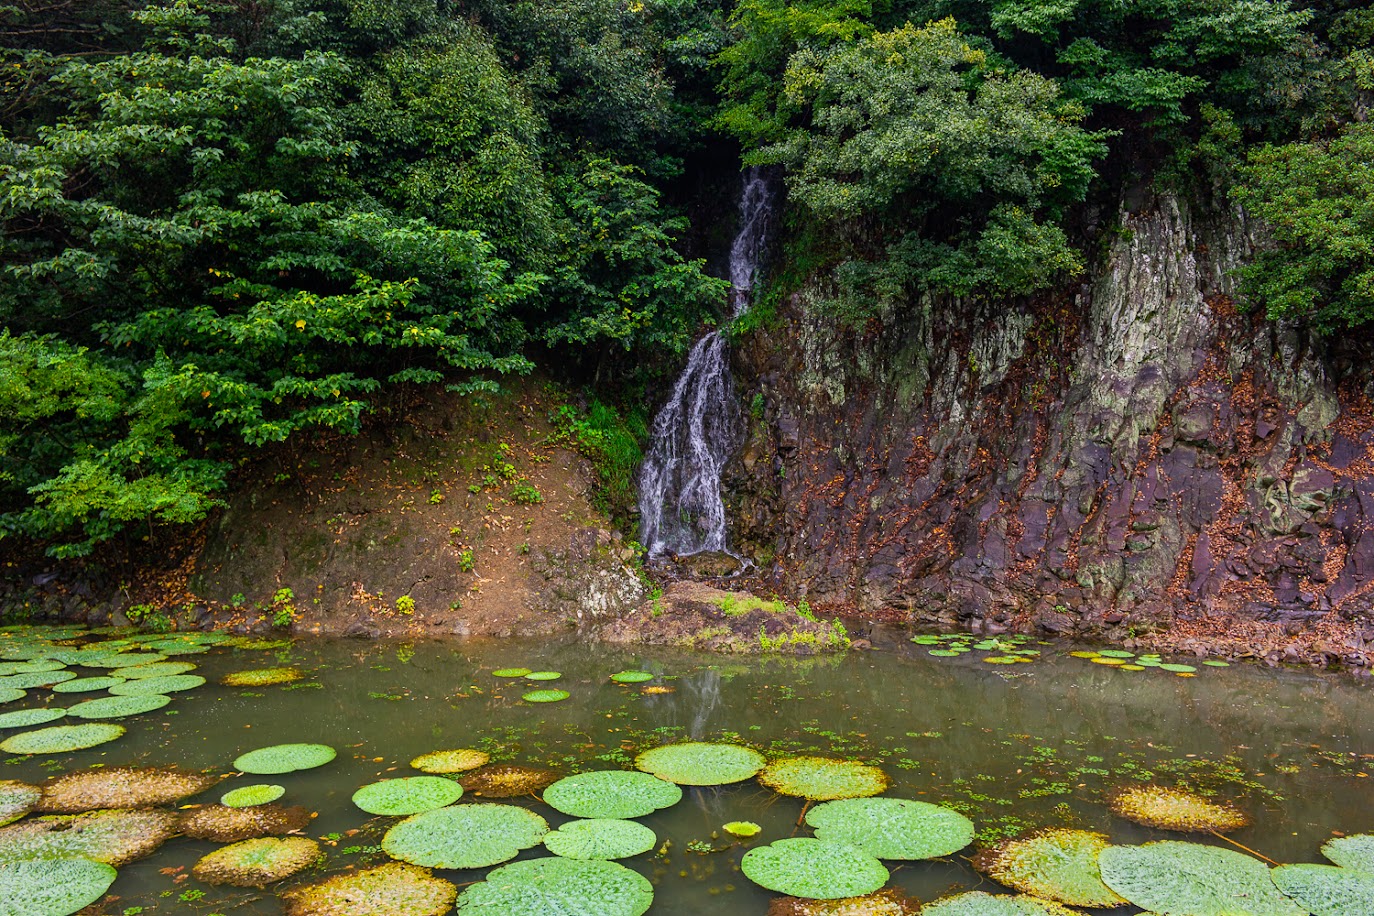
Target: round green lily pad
118, 707
1058, 865
87, 684
600, 838
52, 887
284, 758
558, 887
37, 679
16, 800
464, 836
823, 778
252, 796
1354, 851
259, 862
632, 677
511, 672
393, 889
10, 694
61, 739
977, 903
944, 653
155, 685
543, 675
408, 795
892, 828
545, 696
698, 763
1216, 663
27, 718
814, 869
452, 761
155, 669
1116, 653
262, 677
1177, 669
1327, 890
1173, 878
611, 793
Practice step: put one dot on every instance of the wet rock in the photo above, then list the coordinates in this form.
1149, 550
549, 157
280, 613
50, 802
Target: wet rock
707, 565
587, 581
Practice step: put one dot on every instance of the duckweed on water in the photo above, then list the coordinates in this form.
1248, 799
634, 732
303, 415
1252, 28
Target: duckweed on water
454, 761
508, 781
393, 889
255, 863
1056, 864
600, 838
408, 795
558, 887
61, 739
1173, 878
823, 778
1176, 809
121, 787
698, 763
611, 794
892, 828
252, 796
465, 836
223, 824
816, 869
115, 837
16, 800
284, 758
52, 887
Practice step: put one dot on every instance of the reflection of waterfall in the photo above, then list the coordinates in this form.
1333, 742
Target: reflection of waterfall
706, 697
681, 510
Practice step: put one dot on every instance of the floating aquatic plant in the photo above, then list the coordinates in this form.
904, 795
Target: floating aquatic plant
61, 739
464, 836
262, 677
543, 675
252, 796
612, 793
1175, 809
156, 685
155, 669
632, 677
890, 901
545, 696
115, 837
87, 684
508, 781
454, 761
118, 707
1173, 878
1177, 669
1355, 851
259, 862
977, 903
698, 763
742, 829
816, 869
892, 828
511, 672
393, 889
223, 824
600, 838
558, 887
1327, 890
16, 800
52, 886
284, 758
10, 694
27, 718
1057, 864
121, 787
823, 778
37, 679
409, 795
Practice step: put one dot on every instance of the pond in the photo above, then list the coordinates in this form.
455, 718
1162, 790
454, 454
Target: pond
1011, 746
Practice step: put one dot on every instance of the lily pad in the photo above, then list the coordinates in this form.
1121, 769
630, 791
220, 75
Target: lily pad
393, 889
464, 836
510, 672
1058, 864
977, 903
600, 838
262, 677
61, 739
223, 824
252, 796
115, 837
87, 684
823, 778
543, 675
545, 696
10, 694
698, 763
454, 761
1355, 851
611, 793
256, 863
1177, 669
815, 869
1175, 809
632, 677
52, 887
1327, 890
1172, 878
892, 828
121, 787
118, 707
891, 901
37, 679
27, 718
508, 781
558, 887
742, 829
284, 758
409, 795
156, 685
17, 799
155, 669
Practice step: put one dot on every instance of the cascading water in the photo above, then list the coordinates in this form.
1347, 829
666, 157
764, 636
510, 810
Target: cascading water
681, 511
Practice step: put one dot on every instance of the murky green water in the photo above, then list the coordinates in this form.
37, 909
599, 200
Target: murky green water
1011, 746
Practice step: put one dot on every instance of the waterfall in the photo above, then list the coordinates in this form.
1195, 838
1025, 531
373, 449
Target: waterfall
696, 432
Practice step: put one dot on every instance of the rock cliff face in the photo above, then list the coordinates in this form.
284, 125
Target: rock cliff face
1104, 457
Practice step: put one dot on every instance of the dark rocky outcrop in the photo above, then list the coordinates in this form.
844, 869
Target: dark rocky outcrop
1096, 461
